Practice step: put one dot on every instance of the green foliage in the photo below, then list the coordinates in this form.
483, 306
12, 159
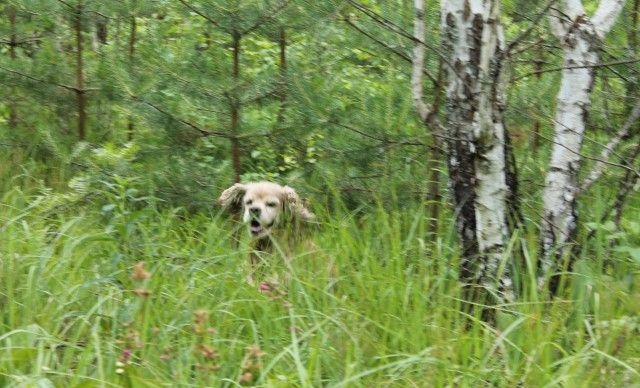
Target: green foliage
337, 122
79, 308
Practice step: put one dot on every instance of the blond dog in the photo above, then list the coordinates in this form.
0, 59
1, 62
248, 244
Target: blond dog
274, 215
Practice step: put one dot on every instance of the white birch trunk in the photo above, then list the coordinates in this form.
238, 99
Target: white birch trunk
417, 63
474, 43
580, 39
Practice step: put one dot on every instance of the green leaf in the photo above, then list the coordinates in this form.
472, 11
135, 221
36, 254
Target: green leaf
19, 355
633, 252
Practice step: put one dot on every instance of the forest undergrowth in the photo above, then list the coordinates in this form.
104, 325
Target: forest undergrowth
116, 290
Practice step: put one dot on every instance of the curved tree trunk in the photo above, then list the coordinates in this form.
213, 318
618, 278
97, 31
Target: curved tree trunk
580, 38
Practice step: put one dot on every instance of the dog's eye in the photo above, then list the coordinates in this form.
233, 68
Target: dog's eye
272, 204
248, 202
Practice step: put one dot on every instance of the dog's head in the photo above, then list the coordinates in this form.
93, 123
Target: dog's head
264, 205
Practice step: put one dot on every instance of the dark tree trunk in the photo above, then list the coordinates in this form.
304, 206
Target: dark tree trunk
434, 163
633, 82
535, 141
133, 37
282, 81
80, 90
13, 43
102, 30
235, 108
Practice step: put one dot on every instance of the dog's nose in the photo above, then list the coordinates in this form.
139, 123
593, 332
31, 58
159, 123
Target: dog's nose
255, 211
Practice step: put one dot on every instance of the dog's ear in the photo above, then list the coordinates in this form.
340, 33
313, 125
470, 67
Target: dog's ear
231, 198
295, 206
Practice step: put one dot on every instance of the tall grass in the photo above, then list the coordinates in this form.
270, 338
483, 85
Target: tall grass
77, 310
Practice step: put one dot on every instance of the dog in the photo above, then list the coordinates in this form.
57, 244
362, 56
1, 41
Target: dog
275, 215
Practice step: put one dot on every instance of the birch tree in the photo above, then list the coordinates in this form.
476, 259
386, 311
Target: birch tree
473, 43
580, 37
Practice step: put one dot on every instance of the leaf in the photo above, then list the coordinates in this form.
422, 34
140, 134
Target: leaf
108, 208
633, 252
19, 355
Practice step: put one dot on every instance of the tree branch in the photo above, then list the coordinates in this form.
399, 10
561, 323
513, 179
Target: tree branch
558, 23
622, 134
588, 157
66, 4
388, 24
627, 184
606, 15
518, 40
378, 139
32, 78
560, 68
201, 14
395, 51
391, 26
202, 131
265, 17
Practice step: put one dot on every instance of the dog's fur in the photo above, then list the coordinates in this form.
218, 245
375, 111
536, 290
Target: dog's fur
274, 214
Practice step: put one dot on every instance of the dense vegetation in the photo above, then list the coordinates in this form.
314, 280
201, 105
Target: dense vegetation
121, 122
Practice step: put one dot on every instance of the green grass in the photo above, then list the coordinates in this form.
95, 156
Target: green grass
74, 315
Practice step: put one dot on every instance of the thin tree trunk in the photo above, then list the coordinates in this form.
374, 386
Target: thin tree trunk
282, 81
80, 90
235, 102
633, 82
13, 44
434, 162
102, 29
133, 38
428, 114
235, 108
627, 185
537, 67
580, 38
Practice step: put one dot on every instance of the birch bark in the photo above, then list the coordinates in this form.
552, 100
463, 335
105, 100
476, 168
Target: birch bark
474, 46
580, 38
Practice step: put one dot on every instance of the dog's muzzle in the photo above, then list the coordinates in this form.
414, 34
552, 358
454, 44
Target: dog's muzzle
256, 228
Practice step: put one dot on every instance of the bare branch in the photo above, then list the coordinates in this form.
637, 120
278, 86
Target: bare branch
202, 131
391, 26
22, 41
32, 78
265, 17
559, 23
518, 40
560, 68
388, 24
201, 14
588, 157
395, 51
65, 3
386, 141
626, 185
622, 134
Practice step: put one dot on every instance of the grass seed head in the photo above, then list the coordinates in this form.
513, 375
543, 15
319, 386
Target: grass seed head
139, 273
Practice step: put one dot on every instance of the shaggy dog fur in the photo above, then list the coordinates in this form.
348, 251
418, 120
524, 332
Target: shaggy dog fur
275, 217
